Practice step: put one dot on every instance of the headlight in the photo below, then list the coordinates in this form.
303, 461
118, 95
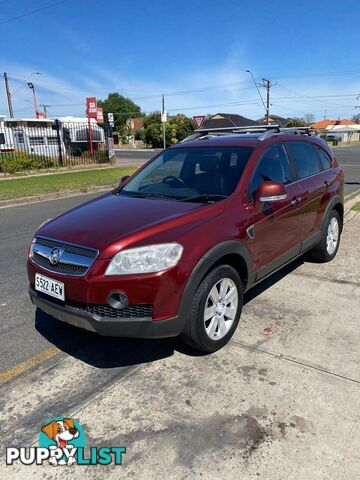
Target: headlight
153, 258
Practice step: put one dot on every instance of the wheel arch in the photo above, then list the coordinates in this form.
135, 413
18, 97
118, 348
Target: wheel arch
230, 252
337, 204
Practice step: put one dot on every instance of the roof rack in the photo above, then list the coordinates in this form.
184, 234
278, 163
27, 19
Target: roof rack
235, 129
265, 131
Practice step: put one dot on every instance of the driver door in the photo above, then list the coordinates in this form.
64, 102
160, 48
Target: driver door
276, 224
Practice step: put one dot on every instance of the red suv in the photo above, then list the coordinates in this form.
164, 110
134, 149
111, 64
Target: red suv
172, 250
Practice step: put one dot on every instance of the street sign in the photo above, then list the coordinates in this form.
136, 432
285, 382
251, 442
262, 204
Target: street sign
91, 107
198, 120
99, 115
163, 116
111, 119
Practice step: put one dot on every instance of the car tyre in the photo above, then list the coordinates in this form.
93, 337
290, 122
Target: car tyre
215, 310
328, 246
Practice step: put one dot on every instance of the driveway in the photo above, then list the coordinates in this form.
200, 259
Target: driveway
280, 401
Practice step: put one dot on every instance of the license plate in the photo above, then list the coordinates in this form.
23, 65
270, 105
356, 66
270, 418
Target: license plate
49, 286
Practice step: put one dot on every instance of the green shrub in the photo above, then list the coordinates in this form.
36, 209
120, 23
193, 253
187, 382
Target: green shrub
20, 161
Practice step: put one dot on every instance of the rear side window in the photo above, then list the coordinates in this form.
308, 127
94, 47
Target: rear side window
273, 166
325, 159
305, 159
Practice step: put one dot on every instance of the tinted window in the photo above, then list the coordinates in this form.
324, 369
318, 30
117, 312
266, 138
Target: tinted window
273, 166
184, 172
305, 159
325, 160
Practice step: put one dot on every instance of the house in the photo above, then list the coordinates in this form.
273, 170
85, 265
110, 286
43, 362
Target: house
223, 120
346, 133
323, 124
275, 120
134, 124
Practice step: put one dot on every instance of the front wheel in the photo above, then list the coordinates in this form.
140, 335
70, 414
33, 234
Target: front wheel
215, 310
328, 246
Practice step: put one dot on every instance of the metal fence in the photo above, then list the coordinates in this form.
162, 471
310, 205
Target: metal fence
44, 143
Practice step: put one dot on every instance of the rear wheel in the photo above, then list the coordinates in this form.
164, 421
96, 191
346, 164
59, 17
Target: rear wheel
215, 310
328, 246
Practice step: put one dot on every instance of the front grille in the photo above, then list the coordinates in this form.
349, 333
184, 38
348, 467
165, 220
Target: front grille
60, 267
73, 259
67, 247
132, 311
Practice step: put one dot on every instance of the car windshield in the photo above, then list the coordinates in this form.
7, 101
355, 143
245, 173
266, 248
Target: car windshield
190, 174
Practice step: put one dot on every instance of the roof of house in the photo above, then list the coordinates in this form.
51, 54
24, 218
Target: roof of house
354, 127
220, 120
276, 119
327, 122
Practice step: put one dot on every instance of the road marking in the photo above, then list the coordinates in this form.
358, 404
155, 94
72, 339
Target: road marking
31, 362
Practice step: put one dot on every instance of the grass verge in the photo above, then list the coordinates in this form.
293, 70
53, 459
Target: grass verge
75, 181
356, 207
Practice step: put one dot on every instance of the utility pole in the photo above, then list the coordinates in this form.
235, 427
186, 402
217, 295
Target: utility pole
45, 107
267, 85
257, 85
163, 118
8, 94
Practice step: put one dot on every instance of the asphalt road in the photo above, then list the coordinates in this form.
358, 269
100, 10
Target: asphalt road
348, 157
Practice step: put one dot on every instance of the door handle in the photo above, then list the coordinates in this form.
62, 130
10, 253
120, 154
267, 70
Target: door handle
326, 184
296, 201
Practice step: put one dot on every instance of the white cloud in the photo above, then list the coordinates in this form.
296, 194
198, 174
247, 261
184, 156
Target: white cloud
223, 87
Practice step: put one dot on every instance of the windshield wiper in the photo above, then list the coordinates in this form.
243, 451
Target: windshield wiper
147, 195
205, 196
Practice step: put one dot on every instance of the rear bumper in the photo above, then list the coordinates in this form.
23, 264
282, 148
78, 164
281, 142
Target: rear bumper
132, 327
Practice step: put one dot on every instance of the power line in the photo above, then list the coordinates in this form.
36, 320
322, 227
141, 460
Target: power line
12, 19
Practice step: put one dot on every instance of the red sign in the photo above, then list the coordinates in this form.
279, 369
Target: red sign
198, 120
99, 115
91, 107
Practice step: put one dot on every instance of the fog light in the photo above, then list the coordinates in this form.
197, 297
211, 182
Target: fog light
118, 300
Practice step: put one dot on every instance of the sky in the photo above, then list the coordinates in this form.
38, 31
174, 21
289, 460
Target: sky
193, 51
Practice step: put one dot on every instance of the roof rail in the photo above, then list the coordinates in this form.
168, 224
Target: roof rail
235, 129
296, 130
266, 131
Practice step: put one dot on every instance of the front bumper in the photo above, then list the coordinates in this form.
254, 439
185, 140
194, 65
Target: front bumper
124, 327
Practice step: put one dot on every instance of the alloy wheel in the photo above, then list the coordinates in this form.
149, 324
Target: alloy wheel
220, 308
332, 236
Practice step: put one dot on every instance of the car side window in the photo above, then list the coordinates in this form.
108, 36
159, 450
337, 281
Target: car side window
304, 158
273, 166
325, 159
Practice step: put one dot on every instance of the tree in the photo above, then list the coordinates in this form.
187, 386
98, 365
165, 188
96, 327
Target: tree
177, 128
356, 118
309, 118
123, 109
296, 122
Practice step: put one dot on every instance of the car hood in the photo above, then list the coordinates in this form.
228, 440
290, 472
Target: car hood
116, 221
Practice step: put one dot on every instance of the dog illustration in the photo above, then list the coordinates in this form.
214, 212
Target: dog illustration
61, 432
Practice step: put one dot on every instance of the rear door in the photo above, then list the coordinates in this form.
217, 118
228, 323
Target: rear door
276, 225
312, 186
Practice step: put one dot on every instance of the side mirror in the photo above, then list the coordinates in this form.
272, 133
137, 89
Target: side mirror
270, 192
123, 179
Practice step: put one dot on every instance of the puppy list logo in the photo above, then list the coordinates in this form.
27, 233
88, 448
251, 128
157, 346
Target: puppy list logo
62, 442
